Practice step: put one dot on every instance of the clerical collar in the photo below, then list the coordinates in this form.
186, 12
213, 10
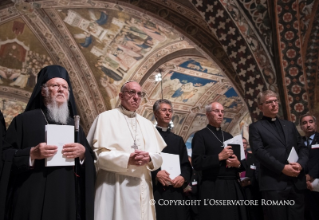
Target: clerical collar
163, 129
269, 119
126, 112
213, 128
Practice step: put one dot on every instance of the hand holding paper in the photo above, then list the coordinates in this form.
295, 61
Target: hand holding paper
171, 164
59, 136
42, 151
178, 182
296, 166
232, 161
74, 150
163, 177
238, 139
290, 171
315, 185
225, 153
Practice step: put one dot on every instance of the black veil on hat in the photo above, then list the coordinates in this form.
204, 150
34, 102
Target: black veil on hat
45, 74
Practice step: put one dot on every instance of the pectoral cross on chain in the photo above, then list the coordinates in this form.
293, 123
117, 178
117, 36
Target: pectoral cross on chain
134, 146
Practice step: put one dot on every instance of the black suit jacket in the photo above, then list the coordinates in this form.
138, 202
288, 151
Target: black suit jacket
313, 163
272, 153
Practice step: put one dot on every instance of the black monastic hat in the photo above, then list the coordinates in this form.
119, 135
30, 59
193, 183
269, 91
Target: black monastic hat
45, 74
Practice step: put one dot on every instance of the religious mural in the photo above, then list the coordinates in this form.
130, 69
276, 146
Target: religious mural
182, 88
105, 45
114, 43
11, 108
21, 58
191, 83
21, 55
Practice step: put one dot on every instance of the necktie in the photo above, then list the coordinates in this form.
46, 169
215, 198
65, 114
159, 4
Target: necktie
309, 141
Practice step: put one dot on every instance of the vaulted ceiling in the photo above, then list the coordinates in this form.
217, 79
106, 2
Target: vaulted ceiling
224, 51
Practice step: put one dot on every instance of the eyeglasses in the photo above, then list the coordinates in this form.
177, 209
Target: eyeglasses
217, 111
58, 86
270, 102
133, 93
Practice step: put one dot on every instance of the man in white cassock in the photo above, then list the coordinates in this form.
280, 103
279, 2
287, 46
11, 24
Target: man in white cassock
127, 148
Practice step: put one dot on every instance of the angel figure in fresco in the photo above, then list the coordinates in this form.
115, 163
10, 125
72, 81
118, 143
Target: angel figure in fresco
93, 29
88, 39
95, 21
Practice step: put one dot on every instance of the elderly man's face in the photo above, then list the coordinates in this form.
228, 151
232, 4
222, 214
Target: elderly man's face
216, 116
308, 125
58, 90
131, 96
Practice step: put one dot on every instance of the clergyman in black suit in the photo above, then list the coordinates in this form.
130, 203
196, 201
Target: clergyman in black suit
282, 184
311, 140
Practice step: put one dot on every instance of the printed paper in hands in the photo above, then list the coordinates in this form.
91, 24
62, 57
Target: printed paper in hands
238, 139
171, 164
293, 156
59, 135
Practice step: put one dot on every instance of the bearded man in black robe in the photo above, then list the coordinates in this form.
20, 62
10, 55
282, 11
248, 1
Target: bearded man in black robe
165, 188
220, 167
35, 191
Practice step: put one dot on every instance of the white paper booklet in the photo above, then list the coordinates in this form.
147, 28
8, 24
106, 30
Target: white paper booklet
238, 139
59, 135
314, 146
293, 156
171, 164
315, 185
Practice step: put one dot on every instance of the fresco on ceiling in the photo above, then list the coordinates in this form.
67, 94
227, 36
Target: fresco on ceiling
178, 119
201, 65
113, 43
199, 123
21, 55
225, 123
230, 100
182, 88
10, 109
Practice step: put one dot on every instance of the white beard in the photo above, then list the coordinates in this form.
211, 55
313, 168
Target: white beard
58, 114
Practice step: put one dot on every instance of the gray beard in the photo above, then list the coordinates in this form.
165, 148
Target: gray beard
58, 114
